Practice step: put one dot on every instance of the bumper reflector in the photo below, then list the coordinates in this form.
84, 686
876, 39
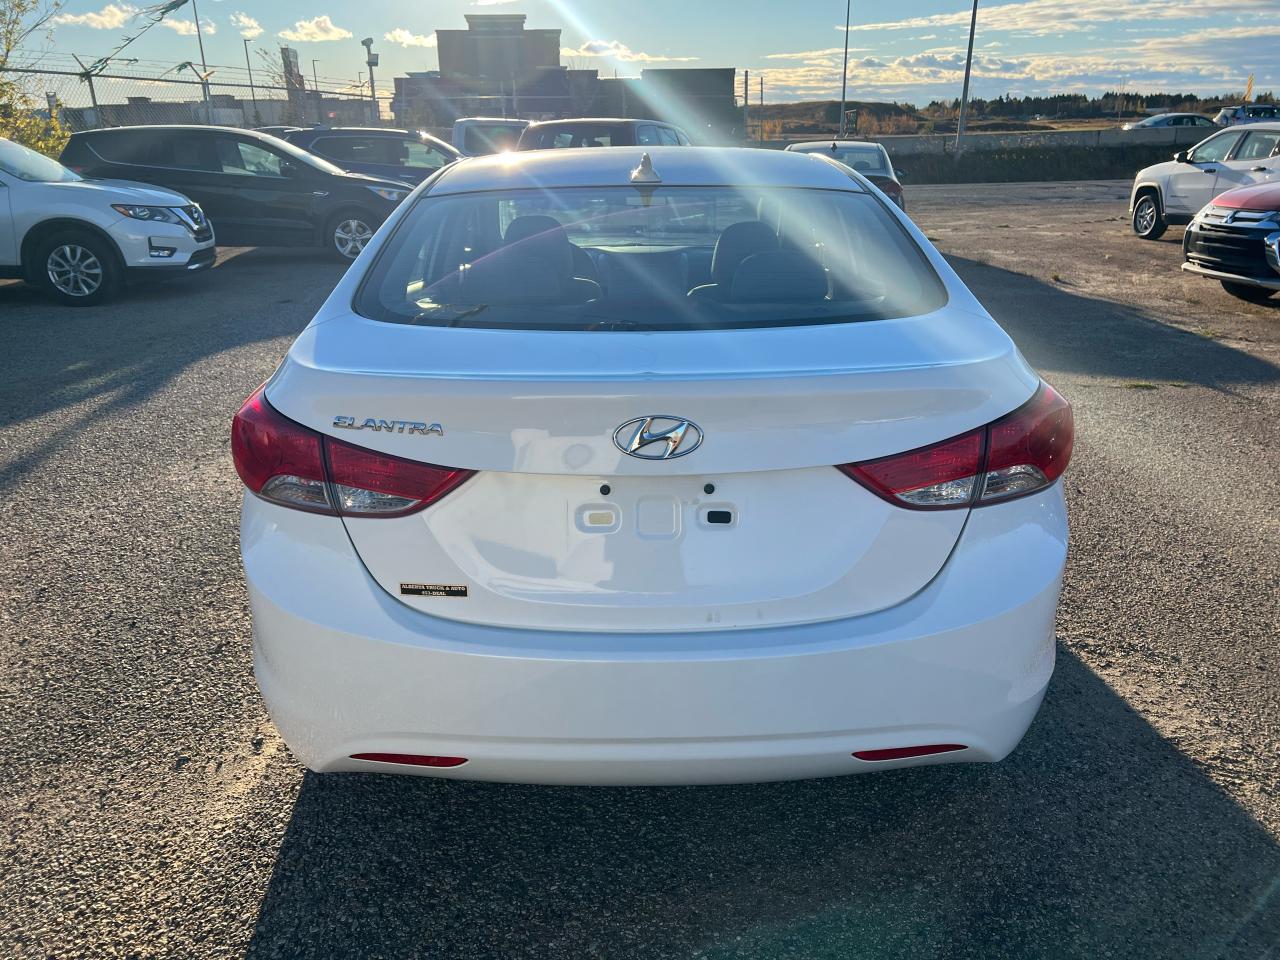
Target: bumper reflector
902, 753
411, 759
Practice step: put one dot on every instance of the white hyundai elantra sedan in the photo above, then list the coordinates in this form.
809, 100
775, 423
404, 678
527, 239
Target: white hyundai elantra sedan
700, 467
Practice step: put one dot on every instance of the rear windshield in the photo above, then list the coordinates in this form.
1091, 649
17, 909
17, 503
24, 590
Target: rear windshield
565, 136
866, 160
666, 258
484, 138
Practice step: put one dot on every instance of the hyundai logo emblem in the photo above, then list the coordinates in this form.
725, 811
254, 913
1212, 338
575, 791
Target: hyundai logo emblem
658, 438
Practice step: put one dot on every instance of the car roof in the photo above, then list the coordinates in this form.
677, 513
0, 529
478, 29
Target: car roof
395, 131
615, 120
808, 146
511, 120
612, 166
1266, 126
175, 127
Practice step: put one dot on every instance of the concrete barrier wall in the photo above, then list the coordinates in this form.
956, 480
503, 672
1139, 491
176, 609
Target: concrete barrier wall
913, 145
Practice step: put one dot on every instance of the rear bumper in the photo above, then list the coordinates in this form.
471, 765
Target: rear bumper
345, 668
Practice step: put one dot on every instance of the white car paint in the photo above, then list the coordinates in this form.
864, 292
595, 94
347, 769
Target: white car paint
652, 646
34, 204
465, 130
1213, 166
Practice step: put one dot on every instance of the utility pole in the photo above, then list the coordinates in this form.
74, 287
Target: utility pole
87, 75
371, 61
964, 94
252, 92
746, 104
844, 71
315, 80
204, 67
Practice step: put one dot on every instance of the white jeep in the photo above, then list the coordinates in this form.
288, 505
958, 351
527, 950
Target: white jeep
1172, 192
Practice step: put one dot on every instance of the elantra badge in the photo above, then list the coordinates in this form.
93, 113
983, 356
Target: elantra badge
658, 438
389, 426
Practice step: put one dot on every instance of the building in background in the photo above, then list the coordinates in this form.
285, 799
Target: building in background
497, 46
498, 67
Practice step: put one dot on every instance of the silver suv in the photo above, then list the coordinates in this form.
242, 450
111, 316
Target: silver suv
81, 240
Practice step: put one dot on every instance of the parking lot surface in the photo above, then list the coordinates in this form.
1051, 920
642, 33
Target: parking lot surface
148, 808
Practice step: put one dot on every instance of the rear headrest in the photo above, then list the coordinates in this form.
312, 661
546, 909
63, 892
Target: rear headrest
542, 237
769, 212
511, 275
780, 276
737, 242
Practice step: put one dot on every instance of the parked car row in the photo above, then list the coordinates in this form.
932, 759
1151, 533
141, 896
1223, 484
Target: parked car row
129, 203
1227, 189
1226, 117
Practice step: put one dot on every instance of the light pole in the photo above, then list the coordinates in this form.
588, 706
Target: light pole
249, 66
371, 61
315, 79
204, 67
968, 66
844, 71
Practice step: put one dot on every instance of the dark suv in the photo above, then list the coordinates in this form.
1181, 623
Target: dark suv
394, 154
255, 189
554, 134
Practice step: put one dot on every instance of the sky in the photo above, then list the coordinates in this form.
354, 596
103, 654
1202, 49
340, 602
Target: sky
903, 50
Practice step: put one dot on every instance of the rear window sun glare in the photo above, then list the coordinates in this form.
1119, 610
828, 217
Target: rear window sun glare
666, 258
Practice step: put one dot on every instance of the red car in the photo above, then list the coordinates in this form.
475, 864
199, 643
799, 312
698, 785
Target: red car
1236, 240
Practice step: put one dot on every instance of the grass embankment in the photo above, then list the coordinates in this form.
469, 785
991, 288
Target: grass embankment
1016, 164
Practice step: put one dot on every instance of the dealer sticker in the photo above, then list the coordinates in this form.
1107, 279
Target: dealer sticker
432, 590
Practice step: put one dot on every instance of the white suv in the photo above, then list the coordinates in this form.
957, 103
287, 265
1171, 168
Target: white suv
80, 240
1247, 113
1174, 191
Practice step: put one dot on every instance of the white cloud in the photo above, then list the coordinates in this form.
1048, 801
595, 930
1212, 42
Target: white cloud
110, 17
316, 30
816, 54
1209, 60
1041, 17
617, 50
406, 39
187, 28
249, 28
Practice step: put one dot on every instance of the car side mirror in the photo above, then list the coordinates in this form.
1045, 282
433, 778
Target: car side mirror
1182, 156
900, 173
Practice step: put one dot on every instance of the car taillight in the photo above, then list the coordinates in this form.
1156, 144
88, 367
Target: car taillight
278, 459
1030, 448
1016, 455
289, 464
367, 483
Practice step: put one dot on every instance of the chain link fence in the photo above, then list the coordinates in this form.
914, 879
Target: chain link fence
83, 101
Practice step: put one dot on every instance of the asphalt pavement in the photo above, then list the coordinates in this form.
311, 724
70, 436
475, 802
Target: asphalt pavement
148, 809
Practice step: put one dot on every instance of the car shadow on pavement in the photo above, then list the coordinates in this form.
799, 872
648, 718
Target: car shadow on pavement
75, 367
1097, 837
1061, 330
